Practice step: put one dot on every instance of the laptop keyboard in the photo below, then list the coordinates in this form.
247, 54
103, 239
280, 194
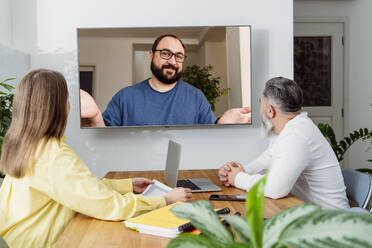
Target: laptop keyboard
185, 183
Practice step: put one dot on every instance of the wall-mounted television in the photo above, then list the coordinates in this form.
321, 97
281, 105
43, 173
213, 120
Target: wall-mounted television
164, 76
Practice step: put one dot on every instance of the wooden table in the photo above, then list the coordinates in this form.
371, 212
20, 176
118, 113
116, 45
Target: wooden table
84, 231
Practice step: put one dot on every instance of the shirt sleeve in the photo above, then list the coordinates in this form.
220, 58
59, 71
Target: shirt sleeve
289, 158
253, 171
113, 115
246, 181
260, 164
72, 185
122, 186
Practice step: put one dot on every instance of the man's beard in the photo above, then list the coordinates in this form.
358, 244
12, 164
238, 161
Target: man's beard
266, 126
163, 76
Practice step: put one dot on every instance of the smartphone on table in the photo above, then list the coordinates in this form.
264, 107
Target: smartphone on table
227, 197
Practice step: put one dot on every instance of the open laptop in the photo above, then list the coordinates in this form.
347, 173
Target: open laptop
171, 173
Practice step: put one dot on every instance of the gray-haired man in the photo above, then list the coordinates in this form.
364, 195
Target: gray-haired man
300, 159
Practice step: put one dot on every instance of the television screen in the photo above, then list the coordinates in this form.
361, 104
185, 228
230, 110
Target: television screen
164, 76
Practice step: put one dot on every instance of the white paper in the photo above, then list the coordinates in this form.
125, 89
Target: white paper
162, 234
156, 189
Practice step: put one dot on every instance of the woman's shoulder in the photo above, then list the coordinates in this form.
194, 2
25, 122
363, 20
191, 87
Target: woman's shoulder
46, 152
55, 156
48, 145
48, 149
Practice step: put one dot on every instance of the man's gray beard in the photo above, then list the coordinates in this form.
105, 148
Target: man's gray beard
266, 126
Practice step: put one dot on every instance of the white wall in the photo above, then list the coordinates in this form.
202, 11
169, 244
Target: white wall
5, 23
110, 56
141, 67
216, 52
46, 29
358, 90
13, 64
245, 63
233, 67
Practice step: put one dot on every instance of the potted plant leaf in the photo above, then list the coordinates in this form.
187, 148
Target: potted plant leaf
306, 225
6, 107
340, 147
201, 78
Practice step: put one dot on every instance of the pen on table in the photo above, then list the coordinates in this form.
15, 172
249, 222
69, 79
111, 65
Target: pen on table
243, 197
188, 225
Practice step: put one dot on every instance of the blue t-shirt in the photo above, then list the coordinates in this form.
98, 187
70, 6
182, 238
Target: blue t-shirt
141, 105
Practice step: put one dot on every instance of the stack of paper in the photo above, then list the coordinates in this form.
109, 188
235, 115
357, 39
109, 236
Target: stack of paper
156, 189
160, 222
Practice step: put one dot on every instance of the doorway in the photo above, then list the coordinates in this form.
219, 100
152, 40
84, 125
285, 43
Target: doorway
319, 70
87, 79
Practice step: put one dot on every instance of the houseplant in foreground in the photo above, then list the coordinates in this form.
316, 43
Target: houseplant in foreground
306, 225
6, 107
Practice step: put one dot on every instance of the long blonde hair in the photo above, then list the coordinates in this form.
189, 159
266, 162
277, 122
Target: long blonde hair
39, 111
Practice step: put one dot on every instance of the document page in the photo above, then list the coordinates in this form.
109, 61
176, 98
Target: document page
156, 189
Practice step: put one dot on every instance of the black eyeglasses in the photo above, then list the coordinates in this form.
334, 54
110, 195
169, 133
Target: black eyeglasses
167, 54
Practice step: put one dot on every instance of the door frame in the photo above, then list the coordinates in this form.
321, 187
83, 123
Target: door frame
345, 21
93, 68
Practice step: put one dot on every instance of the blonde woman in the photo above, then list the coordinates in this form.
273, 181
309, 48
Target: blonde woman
46, 183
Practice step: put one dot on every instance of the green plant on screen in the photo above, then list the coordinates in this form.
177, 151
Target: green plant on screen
201, 78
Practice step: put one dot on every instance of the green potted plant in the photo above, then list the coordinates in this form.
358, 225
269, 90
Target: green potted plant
201, 78
306, 225
340, 147
6, 107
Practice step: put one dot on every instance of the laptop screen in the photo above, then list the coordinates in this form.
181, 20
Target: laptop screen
172, 164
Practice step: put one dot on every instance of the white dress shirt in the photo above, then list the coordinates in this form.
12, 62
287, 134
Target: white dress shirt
301, 162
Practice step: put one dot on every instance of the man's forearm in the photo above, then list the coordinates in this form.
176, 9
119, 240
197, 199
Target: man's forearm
245, 181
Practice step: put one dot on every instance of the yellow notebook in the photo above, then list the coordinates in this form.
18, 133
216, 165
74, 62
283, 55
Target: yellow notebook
160, 222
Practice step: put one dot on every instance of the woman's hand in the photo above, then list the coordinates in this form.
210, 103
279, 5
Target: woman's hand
178, 194
140, 184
